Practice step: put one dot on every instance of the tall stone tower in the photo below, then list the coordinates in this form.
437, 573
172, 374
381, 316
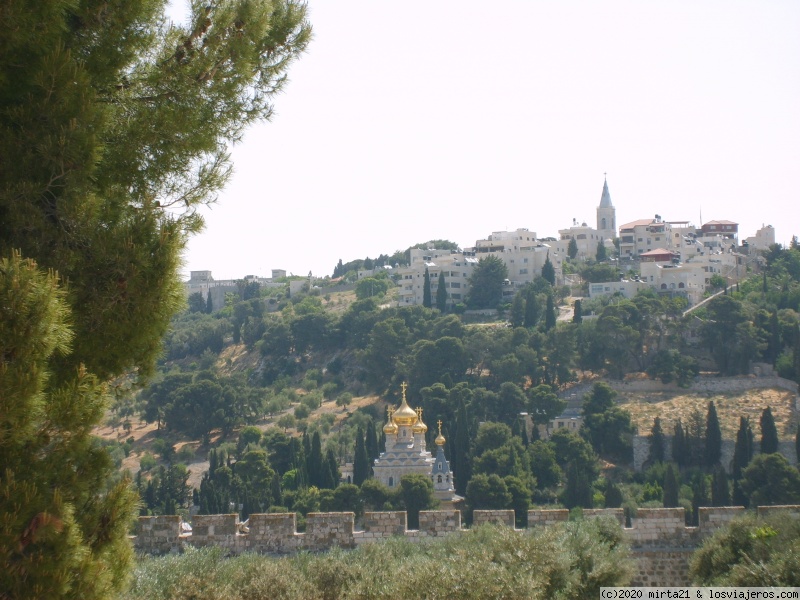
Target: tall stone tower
606, 215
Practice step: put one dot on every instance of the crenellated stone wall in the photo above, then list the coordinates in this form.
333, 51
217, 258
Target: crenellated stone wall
660, 542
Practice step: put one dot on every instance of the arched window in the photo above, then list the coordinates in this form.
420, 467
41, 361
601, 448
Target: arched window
391, 481
663, 286
603, 223
439, 479
680, 285
349, 479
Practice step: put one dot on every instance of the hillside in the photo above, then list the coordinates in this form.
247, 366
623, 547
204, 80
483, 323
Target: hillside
671, 406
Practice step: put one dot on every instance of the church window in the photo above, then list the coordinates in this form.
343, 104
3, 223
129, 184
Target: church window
439, 480
391, 481
603, 223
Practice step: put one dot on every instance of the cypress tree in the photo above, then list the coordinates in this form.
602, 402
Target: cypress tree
426, 290
797, 444
460, 450
360, 460
531, 309
601, 253
699, 496
720, 492
741, 458
275, 489
670, 490
371, 441
550, 316
333, 467
578, 488
577, 312
306, 453
209, 304
549, 271
656, 442
572, 249
679, 445
713, 452
769, 433
517, 315
441, 293
316, 466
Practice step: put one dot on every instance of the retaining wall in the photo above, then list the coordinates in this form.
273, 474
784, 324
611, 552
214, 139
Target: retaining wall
660, 542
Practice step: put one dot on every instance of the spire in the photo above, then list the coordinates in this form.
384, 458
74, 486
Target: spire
605, 198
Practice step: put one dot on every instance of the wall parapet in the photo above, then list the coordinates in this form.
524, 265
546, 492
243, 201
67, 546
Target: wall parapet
661, 543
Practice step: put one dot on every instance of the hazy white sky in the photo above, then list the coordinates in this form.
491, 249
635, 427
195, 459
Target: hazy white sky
409, 121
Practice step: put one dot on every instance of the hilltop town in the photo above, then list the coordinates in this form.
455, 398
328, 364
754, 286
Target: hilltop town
670, 257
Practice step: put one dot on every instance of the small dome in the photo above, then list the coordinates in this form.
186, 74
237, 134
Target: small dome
390, 428
440, 438
419, 426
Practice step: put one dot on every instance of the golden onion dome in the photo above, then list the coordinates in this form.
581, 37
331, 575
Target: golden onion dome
405, 415
390, 427
419, 426
440, 438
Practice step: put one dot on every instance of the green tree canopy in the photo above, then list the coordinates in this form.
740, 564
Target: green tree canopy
486, 283
770, 479
119, 123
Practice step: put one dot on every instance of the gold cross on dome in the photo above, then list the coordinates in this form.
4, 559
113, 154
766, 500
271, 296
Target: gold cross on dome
440, 426
403, 386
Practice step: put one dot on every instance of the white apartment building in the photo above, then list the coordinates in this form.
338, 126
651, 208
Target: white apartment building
522, 253
586, 238
456, 266
644, 235
663, 271
763, 239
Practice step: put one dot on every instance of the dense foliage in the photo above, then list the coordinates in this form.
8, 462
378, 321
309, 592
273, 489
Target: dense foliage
571, 560
114, 127
751, 552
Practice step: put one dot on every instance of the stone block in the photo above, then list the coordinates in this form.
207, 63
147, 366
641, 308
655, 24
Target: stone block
434, 523
547, 516
497, 517
385, 523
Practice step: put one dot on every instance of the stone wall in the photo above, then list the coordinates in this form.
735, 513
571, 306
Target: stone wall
661, 544
711, 384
